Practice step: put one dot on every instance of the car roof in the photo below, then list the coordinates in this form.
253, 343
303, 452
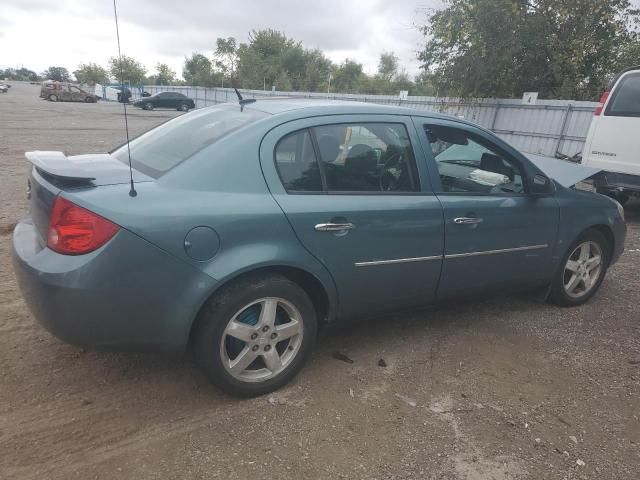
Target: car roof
313, 107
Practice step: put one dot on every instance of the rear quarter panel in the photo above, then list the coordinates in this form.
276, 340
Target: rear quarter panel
223, 188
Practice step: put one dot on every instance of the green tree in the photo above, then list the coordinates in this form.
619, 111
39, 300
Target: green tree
500, 48
270, 59
198, 71
388, 66
127, 69
164, 74
21, 74
91, 73
317, 68
226, 56
60, 74
347, 77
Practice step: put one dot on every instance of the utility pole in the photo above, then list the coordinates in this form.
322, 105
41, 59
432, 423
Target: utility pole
329, 86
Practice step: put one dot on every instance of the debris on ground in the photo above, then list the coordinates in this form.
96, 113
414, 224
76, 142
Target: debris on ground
382, 363
342, 357
407, 400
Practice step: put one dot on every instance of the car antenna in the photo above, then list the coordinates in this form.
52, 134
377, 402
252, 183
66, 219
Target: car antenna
241, 101
132, 192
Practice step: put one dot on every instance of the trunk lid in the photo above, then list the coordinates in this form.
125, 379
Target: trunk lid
54, 172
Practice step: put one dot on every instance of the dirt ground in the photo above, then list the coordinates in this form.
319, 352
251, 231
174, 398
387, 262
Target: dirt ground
504, 388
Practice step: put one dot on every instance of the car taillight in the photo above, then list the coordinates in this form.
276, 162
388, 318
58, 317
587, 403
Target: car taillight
74, 230
600, 106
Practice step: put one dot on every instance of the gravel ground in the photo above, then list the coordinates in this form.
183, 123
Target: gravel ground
504, 388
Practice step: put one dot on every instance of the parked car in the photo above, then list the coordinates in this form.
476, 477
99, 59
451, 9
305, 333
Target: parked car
4, 88
252, 226
66, 92
166, 100
612, 142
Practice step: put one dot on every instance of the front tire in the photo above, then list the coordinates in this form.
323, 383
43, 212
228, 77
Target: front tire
582, 270
254, 336
148, 106
53, 98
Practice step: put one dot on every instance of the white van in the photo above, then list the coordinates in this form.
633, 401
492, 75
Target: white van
613, 141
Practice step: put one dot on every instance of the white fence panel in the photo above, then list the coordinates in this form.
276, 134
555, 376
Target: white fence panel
550, 127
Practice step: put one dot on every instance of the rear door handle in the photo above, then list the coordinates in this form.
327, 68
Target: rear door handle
467, 221
333, 227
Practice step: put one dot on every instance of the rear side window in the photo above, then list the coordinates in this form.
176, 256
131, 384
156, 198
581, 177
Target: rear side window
626, 98
348, 158
159, 150
296, 162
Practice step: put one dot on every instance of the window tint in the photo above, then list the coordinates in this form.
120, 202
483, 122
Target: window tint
164, 147
469, 164
367, 157
296, 162
626, 98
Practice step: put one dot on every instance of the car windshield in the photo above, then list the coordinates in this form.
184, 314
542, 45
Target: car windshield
159, 150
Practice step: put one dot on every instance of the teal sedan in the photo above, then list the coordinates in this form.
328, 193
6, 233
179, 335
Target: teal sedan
247, 227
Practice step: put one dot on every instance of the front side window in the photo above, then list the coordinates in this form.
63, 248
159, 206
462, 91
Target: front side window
164, 147
626, 98
468, 164
366, 157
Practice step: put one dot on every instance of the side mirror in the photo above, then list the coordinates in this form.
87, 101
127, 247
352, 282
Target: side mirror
541, 186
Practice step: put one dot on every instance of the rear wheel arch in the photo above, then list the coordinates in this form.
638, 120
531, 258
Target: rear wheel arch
313, 287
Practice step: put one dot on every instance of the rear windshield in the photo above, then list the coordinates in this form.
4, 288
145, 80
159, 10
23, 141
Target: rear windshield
626, 98
159, 150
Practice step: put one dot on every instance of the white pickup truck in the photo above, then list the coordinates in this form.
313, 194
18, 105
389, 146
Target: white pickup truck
613, 141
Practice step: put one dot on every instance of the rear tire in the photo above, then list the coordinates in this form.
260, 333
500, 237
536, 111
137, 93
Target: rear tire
276, 351
53, 98
148, 106
580, 274
184, 107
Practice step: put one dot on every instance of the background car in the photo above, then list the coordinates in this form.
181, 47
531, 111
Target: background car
612, 142
66, 92
4, 88
166, 100
250, 226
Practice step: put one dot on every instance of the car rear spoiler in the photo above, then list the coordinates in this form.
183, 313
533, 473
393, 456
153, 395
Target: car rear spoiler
58, 165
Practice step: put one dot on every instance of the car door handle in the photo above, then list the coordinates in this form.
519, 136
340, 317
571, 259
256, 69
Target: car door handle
333, 227
467, 221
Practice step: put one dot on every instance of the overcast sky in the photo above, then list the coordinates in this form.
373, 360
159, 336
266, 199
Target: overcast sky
37, 34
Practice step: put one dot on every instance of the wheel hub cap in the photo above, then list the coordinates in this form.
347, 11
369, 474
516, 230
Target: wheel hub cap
261, 340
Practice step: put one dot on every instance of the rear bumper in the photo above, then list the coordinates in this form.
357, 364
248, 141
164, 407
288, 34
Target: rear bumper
127, 294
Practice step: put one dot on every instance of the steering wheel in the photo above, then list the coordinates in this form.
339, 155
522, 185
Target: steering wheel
389, 179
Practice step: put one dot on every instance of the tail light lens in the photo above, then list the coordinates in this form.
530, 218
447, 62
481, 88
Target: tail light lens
74, 230
600, 106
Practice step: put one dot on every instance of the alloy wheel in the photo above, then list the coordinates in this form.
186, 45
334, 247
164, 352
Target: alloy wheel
583, 269
261, 340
